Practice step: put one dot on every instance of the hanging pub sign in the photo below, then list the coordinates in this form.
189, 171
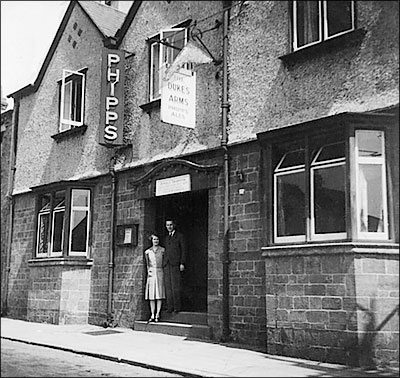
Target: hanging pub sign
178, 99
112, 98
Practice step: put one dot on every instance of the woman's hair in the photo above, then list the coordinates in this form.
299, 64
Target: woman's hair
153, 234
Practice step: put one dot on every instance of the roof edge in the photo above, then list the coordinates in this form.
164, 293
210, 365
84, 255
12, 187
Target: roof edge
121, 32
30, 88
91, 19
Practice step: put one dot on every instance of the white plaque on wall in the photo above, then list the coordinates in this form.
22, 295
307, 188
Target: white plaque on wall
170, 185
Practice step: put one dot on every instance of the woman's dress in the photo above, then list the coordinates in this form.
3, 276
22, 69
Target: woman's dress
155, 287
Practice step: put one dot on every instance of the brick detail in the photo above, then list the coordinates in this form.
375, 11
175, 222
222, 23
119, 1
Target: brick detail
324, 306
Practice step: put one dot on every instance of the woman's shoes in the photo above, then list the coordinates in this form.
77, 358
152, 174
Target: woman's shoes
150, 320
157, 319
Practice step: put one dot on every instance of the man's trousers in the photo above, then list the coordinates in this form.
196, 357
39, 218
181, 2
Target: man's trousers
172, 276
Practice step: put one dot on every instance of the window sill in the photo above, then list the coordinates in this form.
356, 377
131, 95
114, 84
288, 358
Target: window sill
330, 248
151, 105
69, 133
326, 46
61, 261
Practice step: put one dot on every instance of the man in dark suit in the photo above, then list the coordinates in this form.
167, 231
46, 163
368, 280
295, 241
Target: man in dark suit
174, 264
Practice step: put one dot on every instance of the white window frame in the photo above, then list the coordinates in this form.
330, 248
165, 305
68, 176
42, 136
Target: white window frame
283, 172
372, 160
323, 25
162, 66
313, 167
57, 209
65, 123
74, 208
326, 26
295, 37
40, 215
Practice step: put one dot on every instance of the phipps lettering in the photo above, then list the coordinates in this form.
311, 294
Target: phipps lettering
113, 76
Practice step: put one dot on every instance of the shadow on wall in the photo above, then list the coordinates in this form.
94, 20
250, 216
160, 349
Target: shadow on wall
369, 334
126, 296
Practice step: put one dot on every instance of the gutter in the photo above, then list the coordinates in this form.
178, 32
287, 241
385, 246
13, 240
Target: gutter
224, 145
10, 187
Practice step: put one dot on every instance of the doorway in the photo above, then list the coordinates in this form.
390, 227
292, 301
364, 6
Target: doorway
190, 211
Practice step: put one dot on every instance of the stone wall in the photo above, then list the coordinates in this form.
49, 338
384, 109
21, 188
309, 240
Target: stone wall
22, 251
6, 119
334, 307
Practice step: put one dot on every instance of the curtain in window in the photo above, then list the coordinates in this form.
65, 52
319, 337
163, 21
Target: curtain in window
308, 19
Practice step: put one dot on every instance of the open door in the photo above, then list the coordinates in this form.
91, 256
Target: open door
190, 211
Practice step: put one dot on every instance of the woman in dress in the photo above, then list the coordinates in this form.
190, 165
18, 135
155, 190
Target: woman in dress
155, 287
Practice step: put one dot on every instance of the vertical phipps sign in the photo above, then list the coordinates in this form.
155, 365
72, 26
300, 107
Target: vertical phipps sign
112, 98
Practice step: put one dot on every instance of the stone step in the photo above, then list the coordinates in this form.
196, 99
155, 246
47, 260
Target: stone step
185, 317
195, 331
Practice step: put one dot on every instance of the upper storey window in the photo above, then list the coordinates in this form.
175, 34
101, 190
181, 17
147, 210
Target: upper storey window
72, 100
164, 48
316, 21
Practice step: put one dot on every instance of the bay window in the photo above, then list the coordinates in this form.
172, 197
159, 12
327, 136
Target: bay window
327, 180
316, 21
63, 223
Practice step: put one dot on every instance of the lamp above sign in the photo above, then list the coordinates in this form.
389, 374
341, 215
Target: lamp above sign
171, 185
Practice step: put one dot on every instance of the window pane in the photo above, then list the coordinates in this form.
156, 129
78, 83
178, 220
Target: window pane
79, 231
329, 199
58, 231
369, 143
370, 198
292, 159
67, 101
80, 197
339, 16
331, 152
308, 19
175, 42
43, 233
155, 67
44, 203
290, 204
77, 99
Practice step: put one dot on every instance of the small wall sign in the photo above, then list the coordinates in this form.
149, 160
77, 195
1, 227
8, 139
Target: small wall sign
127, 234
170, 185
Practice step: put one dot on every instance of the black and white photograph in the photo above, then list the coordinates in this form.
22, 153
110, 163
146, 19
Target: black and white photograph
199, 188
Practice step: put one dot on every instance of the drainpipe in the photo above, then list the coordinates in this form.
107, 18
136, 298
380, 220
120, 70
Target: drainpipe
10, 188
224, 144
110, 317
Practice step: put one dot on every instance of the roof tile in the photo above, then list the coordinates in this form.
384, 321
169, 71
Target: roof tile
107, 19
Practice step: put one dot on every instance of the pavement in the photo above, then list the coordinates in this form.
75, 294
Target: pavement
172, 354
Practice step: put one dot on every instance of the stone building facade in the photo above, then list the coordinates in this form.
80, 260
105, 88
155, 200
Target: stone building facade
6, 119
272, 187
